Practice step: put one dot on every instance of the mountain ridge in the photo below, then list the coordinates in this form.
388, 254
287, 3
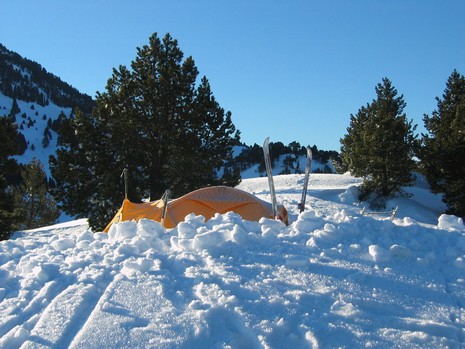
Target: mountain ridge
26, 80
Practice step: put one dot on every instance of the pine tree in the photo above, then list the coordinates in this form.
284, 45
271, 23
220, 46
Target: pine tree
153, 120
443, 150
9, 169
211, 136
78, 169
38, 206
14, 108
379, 146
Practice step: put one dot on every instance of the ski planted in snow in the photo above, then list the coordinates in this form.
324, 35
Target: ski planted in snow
164, 199
266, 154
301, 205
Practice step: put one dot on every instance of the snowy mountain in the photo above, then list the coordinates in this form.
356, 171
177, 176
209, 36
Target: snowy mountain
333, 278
26, 80
34, 123
36, 98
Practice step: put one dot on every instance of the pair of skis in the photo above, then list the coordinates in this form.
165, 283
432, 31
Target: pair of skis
274, 205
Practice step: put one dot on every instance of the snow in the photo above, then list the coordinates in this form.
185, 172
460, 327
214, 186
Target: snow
34, 134
332, 278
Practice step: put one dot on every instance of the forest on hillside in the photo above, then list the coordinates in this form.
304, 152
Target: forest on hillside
26, 80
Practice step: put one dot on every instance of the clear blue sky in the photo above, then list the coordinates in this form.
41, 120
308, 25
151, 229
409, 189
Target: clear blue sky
292, 70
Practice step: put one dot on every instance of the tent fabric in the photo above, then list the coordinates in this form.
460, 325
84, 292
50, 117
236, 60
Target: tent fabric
206, 202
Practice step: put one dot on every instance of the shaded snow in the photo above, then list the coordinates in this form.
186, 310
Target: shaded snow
333, 278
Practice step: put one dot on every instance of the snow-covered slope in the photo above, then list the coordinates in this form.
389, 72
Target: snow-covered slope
333, 278
33, 119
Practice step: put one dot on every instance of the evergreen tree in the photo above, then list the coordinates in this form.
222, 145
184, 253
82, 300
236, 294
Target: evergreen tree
14, 109
249, 156
288, 164
152, 120
38, 206
74, 184
210, 132
296, 149
443, 151
379, 146
9, 169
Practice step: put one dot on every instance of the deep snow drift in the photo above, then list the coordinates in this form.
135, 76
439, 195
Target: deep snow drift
333, 278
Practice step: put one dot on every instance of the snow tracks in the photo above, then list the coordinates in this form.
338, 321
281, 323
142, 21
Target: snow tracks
333, 278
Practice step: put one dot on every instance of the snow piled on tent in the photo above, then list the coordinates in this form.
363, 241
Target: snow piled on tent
332, 278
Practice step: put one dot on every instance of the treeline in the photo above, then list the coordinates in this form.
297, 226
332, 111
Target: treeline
26, 80
252, 155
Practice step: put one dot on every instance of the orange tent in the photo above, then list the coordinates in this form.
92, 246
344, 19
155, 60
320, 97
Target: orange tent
205, 202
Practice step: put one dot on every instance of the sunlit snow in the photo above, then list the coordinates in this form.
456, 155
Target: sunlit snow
332, 278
